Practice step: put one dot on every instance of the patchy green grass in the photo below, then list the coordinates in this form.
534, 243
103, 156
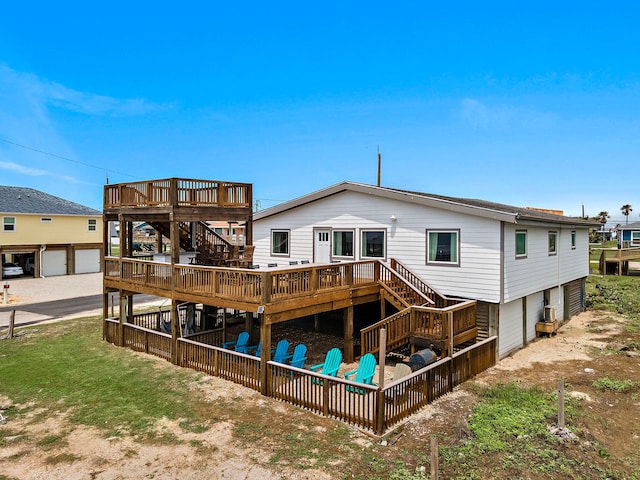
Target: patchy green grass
66, 367
619, 294
616, 385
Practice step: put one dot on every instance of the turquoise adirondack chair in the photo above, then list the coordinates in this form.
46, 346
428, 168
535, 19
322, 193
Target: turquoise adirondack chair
256, 349
331, 364
240, 345
299, 356
281, 351
364, 373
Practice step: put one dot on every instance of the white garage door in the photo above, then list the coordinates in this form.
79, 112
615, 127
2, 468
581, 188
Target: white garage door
54, 262
88, 261
511, 327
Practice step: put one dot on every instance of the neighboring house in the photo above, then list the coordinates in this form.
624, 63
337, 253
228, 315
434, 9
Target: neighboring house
514, 261
48, 235
629, 235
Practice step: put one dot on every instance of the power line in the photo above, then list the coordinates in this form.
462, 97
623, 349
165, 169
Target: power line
69, 159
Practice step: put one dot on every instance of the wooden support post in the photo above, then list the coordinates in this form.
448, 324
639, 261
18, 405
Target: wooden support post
382, 356
383, 307
121, 317
130, 308
265, 354
12, 320
450, 334
248, 323
348, 334
316, 322
175, 331
105, 314
560, 403
434, 458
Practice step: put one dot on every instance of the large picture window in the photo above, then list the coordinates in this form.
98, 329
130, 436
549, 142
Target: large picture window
521, 243
280, 242
553, 243
8, 224
343, 243
373, 244
635, 238
443, 246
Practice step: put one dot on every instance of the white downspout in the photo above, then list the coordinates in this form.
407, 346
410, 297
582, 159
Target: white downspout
42, 249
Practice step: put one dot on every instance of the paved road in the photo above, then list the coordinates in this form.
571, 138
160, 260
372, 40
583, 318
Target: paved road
41, 299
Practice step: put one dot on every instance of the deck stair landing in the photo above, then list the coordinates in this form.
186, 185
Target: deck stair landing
425, 318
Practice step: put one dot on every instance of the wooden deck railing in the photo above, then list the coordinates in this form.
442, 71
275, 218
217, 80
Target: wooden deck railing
430, 321
175, 192
617, 256
438, 300
239, 283
404, 291
367, 406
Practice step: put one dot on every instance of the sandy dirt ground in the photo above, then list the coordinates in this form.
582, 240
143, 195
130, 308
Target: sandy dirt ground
220, 455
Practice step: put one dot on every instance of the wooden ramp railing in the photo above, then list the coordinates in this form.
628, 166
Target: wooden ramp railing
406, 293
429, 322
617, 257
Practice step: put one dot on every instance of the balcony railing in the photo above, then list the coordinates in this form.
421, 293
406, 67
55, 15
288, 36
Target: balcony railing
177, 192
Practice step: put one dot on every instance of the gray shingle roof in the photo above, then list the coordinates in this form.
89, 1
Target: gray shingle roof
28, 200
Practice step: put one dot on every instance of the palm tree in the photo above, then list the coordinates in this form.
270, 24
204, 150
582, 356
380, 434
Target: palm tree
626, 210
602, 218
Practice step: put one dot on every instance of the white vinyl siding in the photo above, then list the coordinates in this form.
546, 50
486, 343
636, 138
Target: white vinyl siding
539, 270
479, 240
535, 309
511, 327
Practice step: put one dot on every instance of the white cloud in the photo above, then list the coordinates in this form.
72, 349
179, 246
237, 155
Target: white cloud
36, 172
502, 117
43, 92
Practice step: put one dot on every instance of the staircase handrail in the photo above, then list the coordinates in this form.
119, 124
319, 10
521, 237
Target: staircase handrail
416, 293
405, 272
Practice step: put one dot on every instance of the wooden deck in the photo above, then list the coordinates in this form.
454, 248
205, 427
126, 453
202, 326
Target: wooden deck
372, 407
617, 260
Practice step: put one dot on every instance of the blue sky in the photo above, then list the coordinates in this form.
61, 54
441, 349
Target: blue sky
529, 104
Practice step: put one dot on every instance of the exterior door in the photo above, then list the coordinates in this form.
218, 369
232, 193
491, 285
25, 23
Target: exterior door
322, 245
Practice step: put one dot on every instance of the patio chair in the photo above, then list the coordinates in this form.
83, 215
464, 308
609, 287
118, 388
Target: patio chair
298, 357
256, 349
281, 351
240, 345
331, 364
364, 373
400, 393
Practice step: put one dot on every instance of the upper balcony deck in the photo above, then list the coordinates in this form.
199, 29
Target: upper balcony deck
173, 194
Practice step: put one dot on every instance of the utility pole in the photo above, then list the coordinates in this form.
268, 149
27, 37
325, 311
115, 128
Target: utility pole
379, 164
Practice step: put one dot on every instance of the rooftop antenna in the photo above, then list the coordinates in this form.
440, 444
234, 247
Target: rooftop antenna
379, 164
107, 175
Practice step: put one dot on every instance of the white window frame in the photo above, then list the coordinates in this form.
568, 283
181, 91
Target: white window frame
90, 225
635, 238
553, 246
521, 232
363, 244
438, 231
287, 242
573, 239
5, 224
334, 243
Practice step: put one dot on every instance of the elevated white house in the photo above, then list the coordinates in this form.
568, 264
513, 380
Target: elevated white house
514, 261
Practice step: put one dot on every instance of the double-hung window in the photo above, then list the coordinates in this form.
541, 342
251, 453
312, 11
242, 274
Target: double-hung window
373, 244
521, 244
343, 243
92, 224
280, 242
635, 239
573, 240
443, 247
8, 224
